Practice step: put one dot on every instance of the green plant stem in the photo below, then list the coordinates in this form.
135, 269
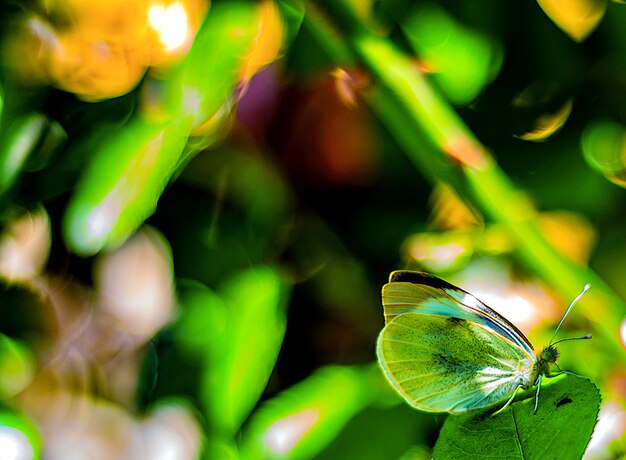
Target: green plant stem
444, 148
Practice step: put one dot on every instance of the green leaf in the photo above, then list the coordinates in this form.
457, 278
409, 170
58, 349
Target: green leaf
293, 15
603, 144
17, 367
237, 333
214, 63
17, 143
122, 184
203, 319
383, 433
244, 355
463, 61
567, 413
127, 175
301, 421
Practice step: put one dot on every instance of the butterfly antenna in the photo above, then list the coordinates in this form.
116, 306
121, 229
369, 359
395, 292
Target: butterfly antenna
582, 293
586, 336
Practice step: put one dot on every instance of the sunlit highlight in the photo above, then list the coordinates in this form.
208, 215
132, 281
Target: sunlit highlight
192, 99
467, 151
171, 23
102, 219
611, 426
285, 433
439, 252
42, 31
135, 284
513, 307
21, 146
622, 332
24, 246
171, 433
14, 444
444, 254
448, 252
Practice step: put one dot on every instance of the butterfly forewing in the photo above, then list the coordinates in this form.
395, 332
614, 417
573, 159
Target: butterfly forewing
425, 294
446, 351
450, 364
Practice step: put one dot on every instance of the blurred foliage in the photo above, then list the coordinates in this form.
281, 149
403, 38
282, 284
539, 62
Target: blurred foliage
201, 200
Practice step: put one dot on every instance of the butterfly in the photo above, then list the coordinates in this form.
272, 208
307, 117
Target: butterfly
443, 350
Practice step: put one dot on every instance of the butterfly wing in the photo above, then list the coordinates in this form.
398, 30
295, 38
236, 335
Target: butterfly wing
409, 291
448, 364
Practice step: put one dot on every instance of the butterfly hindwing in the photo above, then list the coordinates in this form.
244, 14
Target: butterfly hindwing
448, 364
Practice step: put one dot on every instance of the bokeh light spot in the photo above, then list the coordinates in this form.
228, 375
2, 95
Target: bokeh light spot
14, 444
171, 23
513, 307
611, 425
604, 147
622, 332
285, 433
101, 220
24, 246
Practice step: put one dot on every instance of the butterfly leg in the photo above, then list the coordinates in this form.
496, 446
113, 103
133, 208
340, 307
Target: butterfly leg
537, 394
561, 371
508, 402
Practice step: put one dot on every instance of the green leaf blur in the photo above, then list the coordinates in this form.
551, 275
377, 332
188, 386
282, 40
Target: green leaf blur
462, 62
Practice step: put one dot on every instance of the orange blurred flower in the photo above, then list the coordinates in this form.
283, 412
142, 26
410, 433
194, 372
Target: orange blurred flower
101, 52
100, 49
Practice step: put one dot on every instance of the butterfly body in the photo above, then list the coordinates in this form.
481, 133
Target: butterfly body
444, 350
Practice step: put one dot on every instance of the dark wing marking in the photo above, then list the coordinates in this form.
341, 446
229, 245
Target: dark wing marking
410, 291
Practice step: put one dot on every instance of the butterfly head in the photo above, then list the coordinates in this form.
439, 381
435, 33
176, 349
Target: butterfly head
549, 354
545, 357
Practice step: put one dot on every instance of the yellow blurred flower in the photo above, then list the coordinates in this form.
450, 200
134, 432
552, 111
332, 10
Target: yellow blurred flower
268, 42
577, 18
